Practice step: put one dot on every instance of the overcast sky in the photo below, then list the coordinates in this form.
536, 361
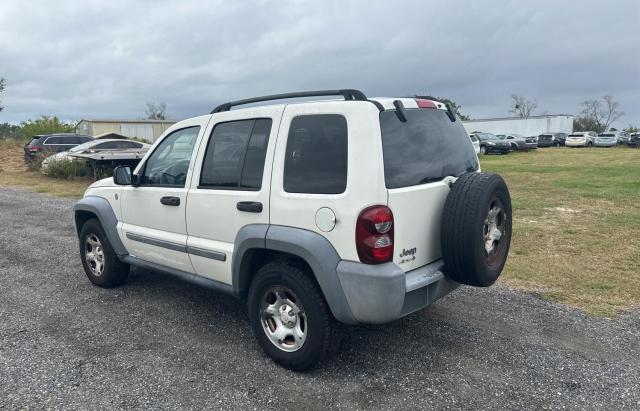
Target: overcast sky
106, 59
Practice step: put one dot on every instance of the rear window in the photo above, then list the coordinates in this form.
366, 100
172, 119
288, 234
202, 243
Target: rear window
316, 156
426, 148
577, 135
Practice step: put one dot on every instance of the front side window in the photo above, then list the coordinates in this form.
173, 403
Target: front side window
235, 155
168, 164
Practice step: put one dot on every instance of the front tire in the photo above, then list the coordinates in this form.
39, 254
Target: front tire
289, 315
101, 264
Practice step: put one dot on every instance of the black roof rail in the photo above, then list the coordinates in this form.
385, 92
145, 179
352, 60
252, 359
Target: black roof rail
348, 94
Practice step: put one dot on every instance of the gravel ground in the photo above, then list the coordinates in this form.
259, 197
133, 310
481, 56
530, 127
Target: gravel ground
160, 343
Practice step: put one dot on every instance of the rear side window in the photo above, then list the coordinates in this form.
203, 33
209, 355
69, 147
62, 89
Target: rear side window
425, 148
54, 140
235, 155
316, 155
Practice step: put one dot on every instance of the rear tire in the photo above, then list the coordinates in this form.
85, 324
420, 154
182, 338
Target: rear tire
476, 229
483, 150
289, 316
100, 262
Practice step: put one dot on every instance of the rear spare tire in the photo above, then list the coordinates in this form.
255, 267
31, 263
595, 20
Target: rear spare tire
476, 229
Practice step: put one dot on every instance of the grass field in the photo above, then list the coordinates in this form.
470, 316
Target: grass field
576, 225
576, 221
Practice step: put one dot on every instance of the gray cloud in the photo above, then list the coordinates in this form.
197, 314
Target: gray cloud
81, 59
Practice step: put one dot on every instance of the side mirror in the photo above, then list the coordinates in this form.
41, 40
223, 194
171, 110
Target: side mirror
122, 175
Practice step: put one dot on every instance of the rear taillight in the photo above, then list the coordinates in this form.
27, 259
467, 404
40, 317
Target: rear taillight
374, 235
34, 148
422, 103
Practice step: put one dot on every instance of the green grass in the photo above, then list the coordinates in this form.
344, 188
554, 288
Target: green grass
576, 225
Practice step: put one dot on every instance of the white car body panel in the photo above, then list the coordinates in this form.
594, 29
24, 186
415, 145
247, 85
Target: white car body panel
212, 219
365, 182
143, 214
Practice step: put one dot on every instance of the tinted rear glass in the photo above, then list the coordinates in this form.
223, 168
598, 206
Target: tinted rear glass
426, 148
316, 156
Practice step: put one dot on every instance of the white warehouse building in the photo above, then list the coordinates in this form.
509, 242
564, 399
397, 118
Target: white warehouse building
529, 126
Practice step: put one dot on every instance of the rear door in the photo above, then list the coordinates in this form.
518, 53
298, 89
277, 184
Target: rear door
421, 157
230, 186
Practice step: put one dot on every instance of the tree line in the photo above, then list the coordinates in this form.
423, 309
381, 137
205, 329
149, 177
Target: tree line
596, 115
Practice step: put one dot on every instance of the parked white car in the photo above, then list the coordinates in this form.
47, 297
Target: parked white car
105, 149
581, 139
360, 211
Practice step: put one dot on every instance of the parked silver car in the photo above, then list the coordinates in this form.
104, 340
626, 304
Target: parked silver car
581, 139
607, 139
105, 149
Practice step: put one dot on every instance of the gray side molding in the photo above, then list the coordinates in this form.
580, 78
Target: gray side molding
323, 259
101, 208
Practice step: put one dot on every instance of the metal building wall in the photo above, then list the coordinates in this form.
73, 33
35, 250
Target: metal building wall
531, 126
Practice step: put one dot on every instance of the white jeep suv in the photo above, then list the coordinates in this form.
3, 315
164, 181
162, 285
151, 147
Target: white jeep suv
357, 210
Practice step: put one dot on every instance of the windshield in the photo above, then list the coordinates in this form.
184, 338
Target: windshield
606, 135
82, 147
425, 148
501, 136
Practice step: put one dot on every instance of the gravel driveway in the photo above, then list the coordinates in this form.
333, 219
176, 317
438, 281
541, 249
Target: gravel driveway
160, 343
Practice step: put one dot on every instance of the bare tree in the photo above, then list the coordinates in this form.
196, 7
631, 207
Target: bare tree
601, 113
3, 84
156, 111
522, 106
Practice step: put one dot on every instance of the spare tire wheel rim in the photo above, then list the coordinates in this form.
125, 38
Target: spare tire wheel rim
494, 231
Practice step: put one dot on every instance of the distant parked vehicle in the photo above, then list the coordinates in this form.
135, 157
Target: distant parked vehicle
475, 142
634, 140
581, 139
551, 139
621, 136
115, 150
489, 143
46, 144
607, 139
519, 142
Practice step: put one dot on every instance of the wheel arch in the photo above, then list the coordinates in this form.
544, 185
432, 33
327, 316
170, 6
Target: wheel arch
99, 208
257, 244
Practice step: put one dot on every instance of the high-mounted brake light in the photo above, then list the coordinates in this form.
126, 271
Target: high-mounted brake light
374, 235
422, 103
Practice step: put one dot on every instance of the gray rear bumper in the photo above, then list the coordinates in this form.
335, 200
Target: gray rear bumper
382, 293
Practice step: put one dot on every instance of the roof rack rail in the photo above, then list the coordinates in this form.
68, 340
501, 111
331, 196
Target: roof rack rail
348, 94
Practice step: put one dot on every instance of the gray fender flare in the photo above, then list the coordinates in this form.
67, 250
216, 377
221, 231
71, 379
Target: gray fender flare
312, 247
101, 208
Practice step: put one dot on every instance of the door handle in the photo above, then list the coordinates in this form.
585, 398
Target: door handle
170, 201
249, 206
